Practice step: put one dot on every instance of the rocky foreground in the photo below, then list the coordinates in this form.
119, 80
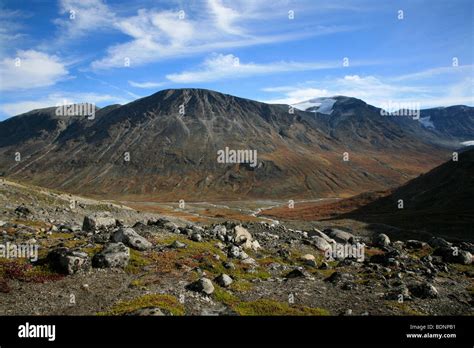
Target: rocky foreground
102, 259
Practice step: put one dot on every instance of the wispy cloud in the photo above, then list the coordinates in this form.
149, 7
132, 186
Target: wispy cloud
145, 85
31, 69
159, 35
220, 66
22, 106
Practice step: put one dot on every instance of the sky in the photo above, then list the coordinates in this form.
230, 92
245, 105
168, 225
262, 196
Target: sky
275, 51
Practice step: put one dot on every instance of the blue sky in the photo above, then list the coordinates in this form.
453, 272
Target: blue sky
107, 52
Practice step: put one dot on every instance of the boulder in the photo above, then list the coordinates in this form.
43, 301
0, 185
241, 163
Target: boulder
97, 222
424, 290
68, 261
320, 243
454, 255
177, 245
309, 260
224, 280
196, 237
382, 240
437, 242
129, 237
297, 273
242, 237
338, 235
114, 255
203, 285
318, 233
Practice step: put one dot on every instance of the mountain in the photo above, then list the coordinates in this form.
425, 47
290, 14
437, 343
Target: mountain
172, 139
452, 122
439, 201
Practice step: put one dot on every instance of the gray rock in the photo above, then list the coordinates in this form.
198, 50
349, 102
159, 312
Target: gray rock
97, 222
177, 245
382, 240
320, 243
203, 285
318, 233
454, 255
437, 242
242, 237
338, 277
129, 237
196, 237
297, 273
338, 235
224, 280
68, 261
424, 290
234, 251
309, 260
114, 255
149, 311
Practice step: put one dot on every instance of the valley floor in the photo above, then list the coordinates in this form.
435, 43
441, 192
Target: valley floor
173, 261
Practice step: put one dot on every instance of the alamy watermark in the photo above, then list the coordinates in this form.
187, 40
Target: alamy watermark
14, 251
342, 251
409, 109
81, 109
237, 156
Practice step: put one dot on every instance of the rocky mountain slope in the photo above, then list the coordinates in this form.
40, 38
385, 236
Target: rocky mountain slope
164, 147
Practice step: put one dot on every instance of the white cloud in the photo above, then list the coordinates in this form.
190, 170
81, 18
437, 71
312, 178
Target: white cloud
461, 69
83, 16
224, 17
145, 84
157, 35
35, 69
220, 66
19, 107
377, 91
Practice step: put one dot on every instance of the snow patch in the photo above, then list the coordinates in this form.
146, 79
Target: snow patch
321, 105
426, 122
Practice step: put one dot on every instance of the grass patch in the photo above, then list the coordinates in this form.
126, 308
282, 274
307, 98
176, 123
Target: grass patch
402, 307
136, 263
166, 303
265, 307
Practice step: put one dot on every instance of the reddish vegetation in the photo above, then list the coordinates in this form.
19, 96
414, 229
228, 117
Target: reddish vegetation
323, 210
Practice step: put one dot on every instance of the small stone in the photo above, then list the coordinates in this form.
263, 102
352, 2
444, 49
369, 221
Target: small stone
224, 280
196, 237
382, 240
177, 245
309, 260
203, 285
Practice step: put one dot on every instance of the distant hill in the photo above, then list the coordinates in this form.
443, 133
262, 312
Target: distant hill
440, 201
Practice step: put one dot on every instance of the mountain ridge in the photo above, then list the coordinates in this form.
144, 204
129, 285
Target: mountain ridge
172, 138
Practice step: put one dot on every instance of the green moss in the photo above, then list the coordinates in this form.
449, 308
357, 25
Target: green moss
402, 307
463, 268
166, 303
136, 263
61, 235
223, 296
241, 285
265, 307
